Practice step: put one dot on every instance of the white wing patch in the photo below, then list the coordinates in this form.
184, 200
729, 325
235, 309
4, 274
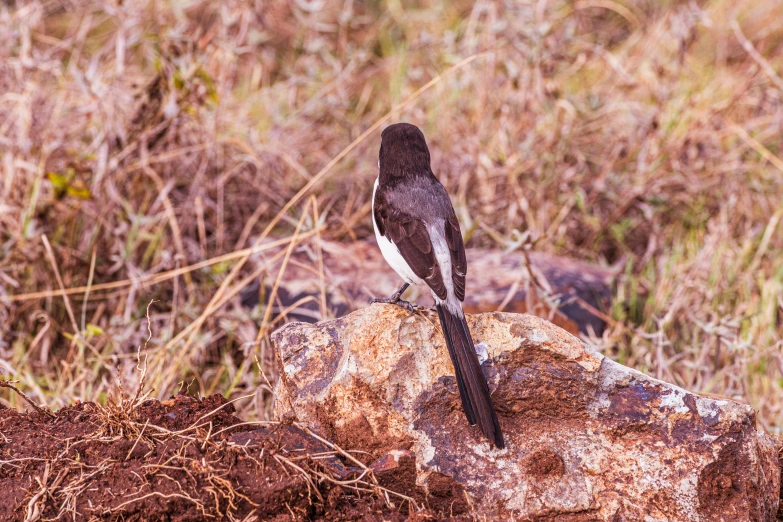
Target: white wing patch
443, 256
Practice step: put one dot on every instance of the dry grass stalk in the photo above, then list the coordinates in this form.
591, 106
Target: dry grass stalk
4, 383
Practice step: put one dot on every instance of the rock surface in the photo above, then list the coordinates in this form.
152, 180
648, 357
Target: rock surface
587, 438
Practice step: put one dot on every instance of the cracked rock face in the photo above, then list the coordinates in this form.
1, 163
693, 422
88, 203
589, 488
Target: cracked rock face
586, 438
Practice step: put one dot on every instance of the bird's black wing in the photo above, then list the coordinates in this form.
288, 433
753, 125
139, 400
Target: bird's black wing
409, 234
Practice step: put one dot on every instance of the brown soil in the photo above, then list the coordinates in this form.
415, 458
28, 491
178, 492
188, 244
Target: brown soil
189, 459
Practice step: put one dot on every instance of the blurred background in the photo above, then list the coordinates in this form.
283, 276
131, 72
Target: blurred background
145, 145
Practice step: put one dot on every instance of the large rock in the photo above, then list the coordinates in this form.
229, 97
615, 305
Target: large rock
586, 438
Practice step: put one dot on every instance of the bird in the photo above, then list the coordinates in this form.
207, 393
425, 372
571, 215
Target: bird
420, 238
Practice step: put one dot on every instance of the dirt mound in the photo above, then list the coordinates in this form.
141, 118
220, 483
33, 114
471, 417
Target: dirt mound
189, 459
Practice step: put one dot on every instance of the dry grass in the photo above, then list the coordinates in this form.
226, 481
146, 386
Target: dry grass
142, 138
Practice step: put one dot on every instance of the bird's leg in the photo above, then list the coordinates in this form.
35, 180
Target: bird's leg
395, 299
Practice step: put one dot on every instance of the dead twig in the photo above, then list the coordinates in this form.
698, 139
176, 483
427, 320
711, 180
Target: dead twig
4, 383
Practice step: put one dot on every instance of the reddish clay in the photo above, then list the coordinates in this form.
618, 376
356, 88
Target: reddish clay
180, 460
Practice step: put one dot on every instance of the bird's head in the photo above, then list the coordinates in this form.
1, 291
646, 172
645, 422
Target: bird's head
403, 152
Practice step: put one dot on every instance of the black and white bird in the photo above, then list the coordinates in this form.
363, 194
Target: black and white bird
419, 236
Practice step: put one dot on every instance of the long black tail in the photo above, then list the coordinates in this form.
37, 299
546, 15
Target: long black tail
473, 388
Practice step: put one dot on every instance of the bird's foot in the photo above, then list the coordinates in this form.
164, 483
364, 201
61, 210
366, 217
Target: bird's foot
395, 300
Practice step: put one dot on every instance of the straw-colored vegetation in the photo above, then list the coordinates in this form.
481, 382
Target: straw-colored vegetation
139, 138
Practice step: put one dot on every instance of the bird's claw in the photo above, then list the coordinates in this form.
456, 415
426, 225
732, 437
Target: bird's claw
395, 300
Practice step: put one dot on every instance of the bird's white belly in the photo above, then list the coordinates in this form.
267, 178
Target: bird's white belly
390, 252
